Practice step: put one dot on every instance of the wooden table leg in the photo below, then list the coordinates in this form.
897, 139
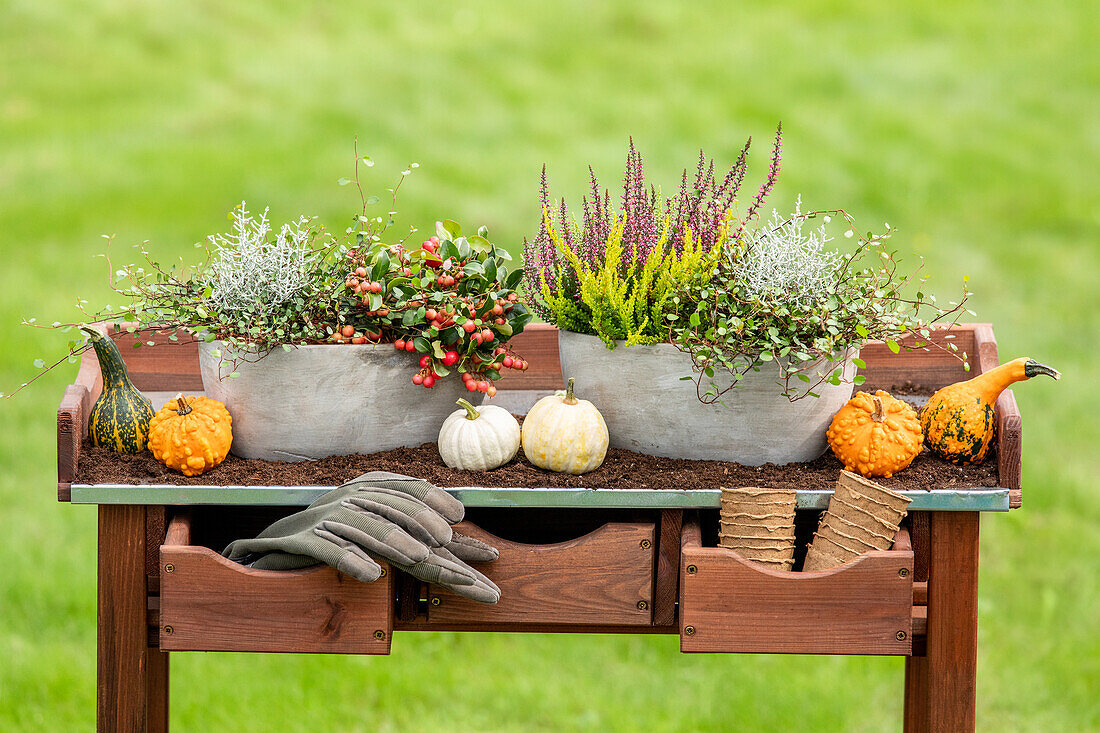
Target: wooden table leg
940, 688
132, 680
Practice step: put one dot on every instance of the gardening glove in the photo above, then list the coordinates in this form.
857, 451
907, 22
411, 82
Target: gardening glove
400, 519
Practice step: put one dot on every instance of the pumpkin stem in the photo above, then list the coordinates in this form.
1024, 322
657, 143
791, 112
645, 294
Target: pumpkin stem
569, 398
182, 408
471, 411
1033, 368
878, 415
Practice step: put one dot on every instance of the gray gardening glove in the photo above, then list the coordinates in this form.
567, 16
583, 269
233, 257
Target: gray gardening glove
403, 520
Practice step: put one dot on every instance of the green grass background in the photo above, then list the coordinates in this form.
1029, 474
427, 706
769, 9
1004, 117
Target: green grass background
973, 127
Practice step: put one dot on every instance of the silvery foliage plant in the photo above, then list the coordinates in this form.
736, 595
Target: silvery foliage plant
785, 261
253, 272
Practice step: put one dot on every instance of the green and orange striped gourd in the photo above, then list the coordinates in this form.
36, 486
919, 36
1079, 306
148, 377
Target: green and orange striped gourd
120, 417
959, 422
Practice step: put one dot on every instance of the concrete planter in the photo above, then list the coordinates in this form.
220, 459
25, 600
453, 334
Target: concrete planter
317, 401
649, 409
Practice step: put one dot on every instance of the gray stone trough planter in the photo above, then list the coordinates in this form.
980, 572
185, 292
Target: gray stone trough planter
649, 409
325, 400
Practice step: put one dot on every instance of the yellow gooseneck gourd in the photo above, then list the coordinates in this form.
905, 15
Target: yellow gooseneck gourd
959, 422
564, 434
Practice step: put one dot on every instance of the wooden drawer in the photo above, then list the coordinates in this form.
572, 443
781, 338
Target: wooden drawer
208, 603
602, 578
729, 604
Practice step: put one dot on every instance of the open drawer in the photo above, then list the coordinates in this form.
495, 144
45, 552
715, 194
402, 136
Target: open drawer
729, 604
208, 603
604, 577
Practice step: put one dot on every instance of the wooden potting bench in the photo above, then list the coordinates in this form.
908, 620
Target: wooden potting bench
619, 561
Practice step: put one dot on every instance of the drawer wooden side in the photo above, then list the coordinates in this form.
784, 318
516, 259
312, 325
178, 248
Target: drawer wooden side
603, 578
208, 603
729, 604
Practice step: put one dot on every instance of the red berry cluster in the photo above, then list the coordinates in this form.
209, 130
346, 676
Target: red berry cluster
450, 300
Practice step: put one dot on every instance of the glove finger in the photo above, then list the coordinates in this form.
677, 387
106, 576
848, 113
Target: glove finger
352, 561
469, 549
446, 505
279, 561
479, 592
395, 545
479, 577
412, 516
382, 530
440, 570
412, 500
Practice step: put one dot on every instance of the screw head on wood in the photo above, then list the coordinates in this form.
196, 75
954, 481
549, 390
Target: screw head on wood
689, 631
901, 636
168, 630
436, 601
169, 568
645, 544
642, 605
692, 570
382, 574
903, 573
379, 634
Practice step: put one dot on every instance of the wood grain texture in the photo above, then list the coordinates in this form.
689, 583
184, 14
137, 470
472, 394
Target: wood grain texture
667, 577
166, 366
952, 638
122, 655
929, 366
538, 345
208, 603
919, 528
156, 683
604, 577
1009, 424
729, 604
70, 429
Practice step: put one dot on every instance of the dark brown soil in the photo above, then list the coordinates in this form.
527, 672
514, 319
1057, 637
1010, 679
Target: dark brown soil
621, 470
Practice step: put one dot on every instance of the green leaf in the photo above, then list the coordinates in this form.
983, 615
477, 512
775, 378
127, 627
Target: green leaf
372, 200
893, 346
479, 243
422, 344
859, 379
39, 363
343, 181
694, 320
511, 282
437, 349
491, 270
368, 161
452, 229
859, 362
502, 254
862, 330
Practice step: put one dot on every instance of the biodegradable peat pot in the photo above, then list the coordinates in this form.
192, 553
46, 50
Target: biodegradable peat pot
649, 409
327, 400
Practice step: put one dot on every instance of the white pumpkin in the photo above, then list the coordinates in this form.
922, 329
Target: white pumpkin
478, 438
565, 434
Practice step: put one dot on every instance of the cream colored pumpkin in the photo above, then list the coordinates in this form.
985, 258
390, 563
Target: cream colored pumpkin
478, 438
565, 434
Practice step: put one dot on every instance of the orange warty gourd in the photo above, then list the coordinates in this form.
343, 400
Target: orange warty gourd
191, 434
959, 422
875, 435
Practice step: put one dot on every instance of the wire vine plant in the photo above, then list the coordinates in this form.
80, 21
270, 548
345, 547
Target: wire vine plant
777, 295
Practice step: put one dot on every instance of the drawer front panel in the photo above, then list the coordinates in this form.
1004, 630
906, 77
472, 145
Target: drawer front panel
208, 603
602, 578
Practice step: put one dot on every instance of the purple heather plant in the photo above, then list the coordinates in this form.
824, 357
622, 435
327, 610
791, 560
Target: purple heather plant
703, 205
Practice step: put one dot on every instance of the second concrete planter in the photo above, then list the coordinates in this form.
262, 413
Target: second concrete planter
650, 409
325, 400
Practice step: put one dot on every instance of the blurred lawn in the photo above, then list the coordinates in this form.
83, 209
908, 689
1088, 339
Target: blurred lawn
975, 128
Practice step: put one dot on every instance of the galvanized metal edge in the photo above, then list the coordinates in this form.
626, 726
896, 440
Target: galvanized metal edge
969, 500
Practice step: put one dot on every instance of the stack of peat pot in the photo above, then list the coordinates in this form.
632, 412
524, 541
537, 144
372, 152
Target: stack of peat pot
759, 525
862, 516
